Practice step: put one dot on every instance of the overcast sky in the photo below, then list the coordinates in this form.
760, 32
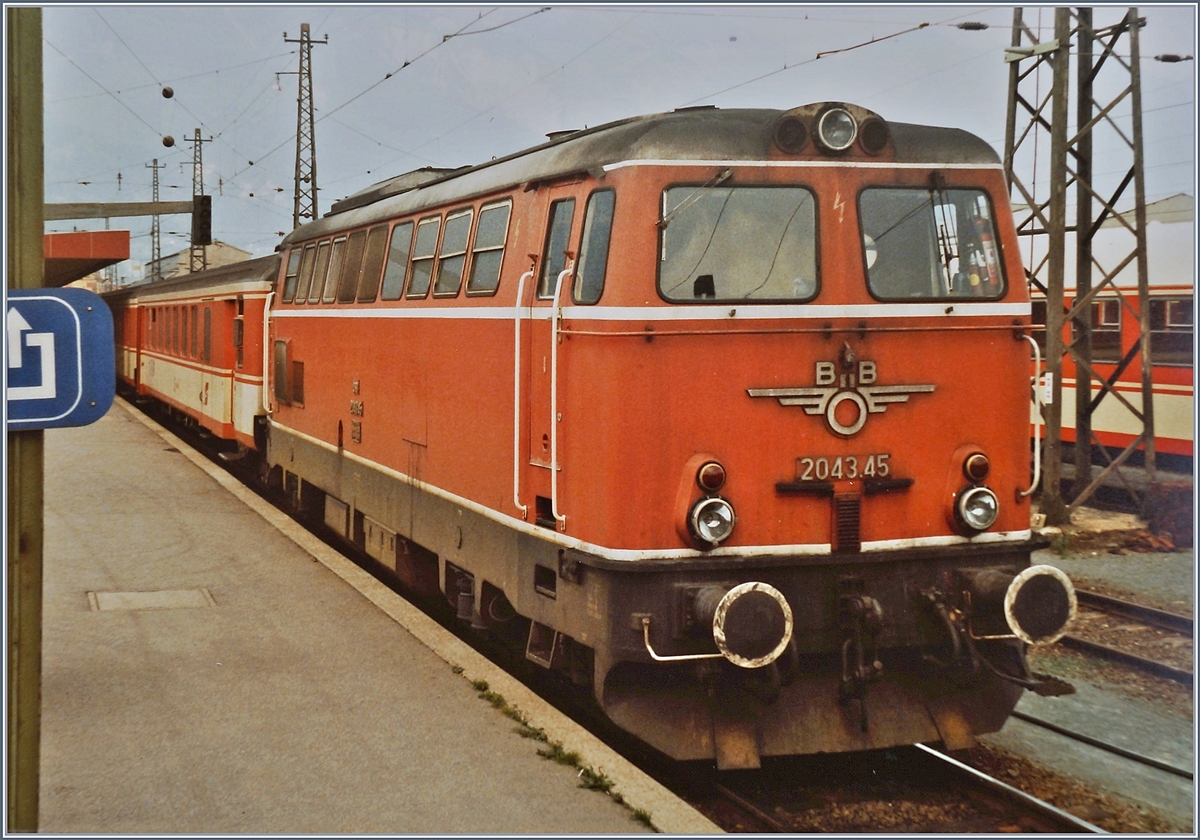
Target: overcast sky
393, 93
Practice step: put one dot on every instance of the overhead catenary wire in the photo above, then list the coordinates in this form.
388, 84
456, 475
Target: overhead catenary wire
802, 63
918, 27
514, 94
149, 72
176, 79
114, 95
98, 84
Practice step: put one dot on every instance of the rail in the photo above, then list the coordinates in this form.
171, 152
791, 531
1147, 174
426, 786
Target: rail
1102, 745
1160, 618
1013, 793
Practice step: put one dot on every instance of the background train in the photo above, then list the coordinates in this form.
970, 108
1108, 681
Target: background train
1171, 257
721, 413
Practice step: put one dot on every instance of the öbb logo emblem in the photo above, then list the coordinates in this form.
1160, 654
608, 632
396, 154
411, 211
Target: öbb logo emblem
832, 389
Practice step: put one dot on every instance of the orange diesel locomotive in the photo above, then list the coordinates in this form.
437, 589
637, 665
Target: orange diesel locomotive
724, 413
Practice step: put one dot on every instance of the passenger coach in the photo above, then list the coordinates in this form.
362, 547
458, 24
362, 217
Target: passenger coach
194, 342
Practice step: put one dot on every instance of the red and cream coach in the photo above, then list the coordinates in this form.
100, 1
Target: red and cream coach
194, 342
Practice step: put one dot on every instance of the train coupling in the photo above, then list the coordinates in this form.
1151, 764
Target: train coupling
861, 619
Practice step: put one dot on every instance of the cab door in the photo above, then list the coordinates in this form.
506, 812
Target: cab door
551, 291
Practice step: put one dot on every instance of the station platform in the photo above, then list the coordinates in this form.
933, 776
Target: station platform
208, 667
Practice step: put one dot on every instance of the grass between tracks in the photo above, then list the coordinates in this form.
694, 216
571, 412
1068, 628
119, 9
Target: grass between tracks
589, 777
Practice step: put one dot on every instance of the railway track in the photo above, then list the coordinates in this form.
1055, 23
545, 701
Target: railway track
911, 789
1149, 615
1168, 622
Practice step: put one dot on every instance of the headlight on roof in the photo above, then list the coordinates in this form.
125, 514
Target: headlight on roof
836, 129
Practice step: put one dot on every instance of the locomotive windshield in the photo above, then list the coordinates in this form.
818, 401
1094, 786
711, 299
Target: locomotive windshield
737, 244
930, 243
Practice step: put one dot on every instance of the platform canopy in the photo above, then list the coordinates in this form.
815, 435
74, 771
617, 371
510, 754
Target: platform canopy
73, 256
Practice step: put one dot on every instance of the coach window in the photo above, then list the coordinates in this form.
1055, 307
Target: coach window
554, 254
292, 275
239, 331
1106, 331
175, 329
922, 243
368, 284
491, 234
207, 354
397, 261
348, 284
335, 270
593, 251
195, 333
453, 256
183, 331
1171, 326
424, 250
319, 272
306, 273
738, 244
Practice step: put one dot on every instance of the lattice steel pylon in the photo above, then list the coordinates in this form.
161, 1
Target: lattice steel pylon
155, 226
1073, 149
199, 254
305, 203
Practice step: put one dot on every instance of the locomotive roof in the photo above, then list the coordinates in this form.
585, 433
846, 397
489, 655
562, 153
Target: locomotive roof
704, 133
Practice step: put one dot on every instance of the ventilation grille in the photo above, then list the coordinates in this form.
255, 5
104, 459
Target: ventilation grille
846, 534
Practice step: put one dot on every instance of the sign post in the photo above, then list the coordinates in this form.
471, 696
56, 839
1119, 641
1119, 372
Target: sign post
23, 259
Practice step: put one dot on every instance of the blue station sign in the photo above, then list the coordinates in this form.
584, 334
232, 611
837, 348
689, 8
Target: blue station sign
61, 362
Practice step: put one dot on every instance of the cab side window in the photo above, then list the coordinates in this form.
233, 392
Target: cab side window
593, 250
554, 254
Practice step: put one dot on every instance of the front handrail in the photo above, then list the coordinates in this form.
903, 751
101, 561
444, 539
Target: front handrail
517, 396
1037, 421
266, 339
555, 319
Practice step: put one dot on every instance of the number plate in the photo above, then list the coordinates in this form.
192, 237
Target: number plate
877, 465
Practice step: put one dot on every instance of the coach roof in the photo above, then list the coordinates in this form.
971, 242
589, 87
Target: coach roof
704, 133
